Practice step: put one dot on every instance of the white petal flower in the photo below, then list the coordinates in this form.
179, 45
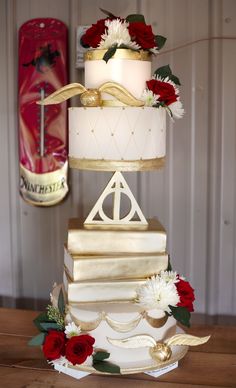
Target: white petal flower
71, 330
149, 97
59, 361
158, 294
177, 109
117, 34
169, 276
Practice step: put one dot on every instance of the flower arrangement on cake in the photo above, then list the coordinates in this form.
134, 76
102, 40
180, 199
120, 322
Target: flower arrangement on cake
114, 32
64, 343
170, 293
133, 33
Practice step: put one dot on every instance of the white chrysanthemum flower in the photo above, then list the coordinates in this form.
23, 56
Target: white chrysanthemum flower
156, 293
71, 330
62, 361
169, 276
117, 34
154, 50
149, 97
177, 109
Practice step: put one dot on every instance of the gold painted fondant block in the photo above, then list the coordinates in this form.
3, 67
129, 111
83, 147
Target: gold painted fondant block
103, 291
116, 240
128, 266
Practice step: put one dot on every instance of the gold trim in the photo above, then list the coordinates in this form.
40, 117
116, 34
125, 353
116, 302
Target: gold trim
155, 322
116, 165
94, 55
86, 326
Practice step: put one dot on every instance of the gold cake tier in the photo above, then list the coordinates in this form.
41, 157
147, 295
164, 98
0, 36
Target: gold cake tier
100, 291
116, 240
127, 266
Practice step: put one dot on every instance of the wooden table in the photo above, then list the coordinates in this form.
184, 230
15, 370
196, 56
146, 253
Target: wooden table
209, 365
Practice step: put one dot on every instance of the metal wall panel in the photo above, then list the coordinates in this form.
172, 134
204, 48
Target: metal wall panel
193, 196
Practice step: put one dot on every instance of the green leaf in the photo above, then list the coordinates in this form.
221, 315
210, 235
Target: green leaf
169, 268
50, 326
108, 13
105, 366
100, 356
135, 18
175, 79
163, 72
109, 53
61, 302
181, 314
82, 43
37, 340
43, 317
160, 41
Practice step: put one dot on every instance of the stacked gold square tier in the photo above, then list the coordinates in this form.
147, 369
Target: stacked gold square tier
108, 264
103, 268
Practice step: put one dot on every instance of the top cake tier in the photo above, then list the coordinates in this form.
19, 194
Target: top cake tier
128, 68
117, 136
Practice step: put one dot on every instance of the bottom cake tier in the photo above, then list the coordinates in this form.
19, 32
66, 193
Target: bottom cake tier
117, 321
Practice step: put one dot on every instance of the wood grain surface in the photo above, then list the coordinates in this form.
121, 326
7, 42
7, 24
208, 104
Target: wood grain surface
21, 366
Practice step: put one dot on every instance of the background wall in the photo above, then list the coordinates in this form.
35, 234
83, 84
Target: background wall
194, 195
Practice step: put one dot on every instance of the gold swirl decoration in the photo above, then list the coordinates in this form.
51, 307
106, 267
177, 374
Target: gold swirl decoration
98, 54
92, 97
155, 322
159, 351
121, 327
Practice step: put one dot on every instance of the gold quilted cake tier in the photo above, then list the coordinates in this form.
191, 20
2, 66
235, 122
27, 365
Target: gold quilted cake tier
116, 240
127, 266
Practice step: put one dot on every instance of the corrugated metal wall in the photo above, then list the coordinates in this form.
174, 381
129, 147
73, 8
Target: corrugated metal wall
194, 195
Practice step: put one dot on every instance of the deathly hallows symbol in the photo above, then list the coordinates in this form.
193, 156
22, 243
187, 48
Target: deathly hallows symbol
116, 186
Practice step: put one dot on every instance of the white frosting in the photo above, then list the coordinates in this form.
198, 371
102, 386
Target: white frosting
132, 74
117, 133
123, 312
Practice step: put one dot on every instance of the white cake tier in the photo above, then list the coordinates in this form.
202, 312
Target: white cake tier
117, 138
118, 321
129, 68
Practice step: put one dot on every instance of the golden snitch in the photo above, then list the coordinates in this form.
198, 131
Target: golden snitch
92, 97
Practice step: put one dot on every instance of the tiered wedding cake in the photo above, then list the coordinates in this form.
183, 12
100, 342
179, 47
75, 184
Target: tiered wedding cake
121, 296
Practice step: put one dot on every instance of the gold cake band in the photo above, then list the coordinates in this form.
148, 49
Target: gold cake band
116, 165
98, 54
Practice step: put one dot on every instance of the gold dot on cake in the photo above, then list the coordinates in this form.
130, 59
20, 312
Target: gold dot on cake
132, 133
112, 134
92, 130
149, 130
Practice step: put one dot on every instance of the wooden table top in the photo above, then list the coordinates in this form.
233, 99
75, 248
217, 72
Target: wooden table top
209, 365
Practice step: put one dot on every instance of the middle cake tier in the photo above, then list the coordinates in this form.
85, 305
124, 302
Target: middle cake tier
82, 267
117, 138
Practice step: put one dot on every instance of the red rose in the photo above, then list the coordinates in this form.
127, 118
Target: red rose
186, 294
165, 91
78, 348
92, 36
142, 34
54, 345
